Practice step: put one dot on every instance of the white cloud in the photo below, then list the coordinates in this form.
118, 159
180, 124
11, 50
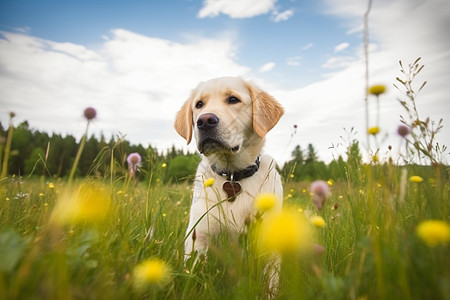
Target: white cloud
267, 67
135, 82
236, 9
294, 61
341, 47
338, 62
307, 46
283, 16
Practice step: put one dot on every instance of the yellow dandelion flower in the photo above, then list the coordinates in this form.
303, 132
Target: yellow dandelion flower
373, 130
209, 182
291, 191
286, 232
377, 89
90, 202
150, 272
416, 178
6, 199
164, 165
330, 182
266, 201
318, 221
434, 232
41, 195
291, 175
51, 185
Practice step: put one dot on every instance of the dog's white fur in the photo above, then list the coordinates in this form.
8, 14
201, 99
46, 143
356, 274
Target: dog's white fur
240, 133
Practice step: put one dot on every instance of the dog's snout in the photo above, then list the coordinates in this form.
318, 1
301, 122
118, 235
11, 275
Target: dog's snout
207, 121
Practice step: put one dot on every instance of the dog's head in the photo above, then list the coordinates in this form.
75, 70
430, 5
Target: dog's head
225, 113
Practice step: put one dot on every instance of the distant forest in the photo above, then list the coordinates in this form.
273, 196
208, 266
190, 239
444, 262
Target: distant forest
37, 153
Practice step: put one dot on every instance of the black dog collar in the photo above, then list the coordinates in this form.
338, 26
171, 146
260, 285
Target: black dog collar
241, 174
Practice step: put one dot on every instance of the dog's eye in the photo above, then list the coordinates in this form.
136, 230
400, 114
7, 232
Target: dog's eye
233, 100
199, 104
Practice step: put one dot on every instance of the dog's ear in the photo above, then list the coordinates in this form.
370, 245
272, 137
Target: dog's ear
266, 110
183, 120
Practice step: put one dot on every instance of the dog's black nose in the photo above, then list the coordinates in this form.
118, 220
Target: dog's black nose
207, 121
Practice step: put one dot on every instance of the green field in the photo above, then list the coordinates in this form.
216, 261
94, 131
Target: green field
369, 248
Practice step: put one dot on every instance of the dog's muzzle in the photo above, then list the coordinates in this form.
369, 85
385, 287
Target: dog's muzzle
209, 139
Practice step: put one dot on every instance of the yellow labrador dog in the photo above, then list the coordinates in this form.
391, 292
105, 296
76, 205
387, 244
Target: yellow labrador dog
229, 118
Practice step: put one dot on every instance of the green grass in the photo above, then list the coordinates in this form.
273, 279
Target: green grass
371, 247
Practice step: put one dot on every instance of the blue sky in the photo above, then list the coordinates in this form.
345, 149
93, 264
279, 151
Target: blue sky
132, 59
310, 32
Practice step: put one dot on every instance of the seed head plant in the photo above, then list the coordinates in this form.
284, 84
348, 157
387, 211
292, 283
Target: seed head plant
420, 134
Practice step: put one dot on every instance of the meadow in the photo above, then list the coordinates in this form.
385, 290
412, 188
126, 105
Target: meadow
367, 248
376, 230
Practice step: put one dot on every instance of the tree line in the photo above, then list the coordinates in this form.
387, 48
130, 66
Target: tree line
34, 152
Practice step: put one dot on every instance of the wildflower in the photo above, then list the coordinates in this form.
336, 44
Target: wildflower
319, 192
403, 130
90, 202
209, 182
375, 159
134, 159
291, 175
164, 165
318, 249
416, 178
286, 232
434, 232
51, 185
265, 202
90, 113
149, 273
318, 221
373, 130
377, 90
41, 195
134, 162
330, 182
